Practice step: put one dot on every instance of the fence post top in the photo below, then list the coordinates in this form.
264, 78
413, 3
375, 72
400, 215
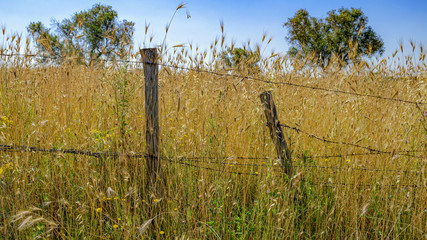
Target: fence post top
149, 55
266, 94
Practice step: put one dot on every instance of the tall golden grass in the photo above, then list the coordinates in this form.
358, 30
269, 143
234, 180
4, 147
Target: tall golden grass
219, 118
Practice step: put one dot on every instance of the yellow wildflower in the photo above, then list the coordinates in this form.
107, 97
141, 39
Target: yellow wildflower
99, 210
162, 232
6, 167
6, 120
115, 226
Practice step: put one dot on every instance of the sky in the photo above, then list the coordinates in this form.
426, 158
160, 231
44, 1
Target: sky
395, 21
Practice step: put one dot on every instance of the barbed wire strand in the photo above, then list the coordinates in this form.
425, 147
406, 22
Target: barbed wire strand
182, 159
100, 154
232, 75
277, 167
112, 154
371, 149
364, 154
69, 151
70, 58
358, 185
225, 158
357, 169
222, 162
295, 85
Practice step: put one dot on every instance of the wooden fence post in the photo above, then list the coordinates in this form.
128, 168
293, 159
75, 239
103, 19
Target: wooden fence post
276, 132
149, 58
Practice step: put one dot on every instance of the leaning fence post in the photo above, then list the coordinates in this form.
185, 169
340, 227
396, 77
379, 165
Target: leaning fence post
149, 58
276, 132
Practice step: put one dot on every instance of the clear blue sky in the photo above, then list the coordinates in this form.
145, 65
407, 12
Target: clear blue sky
395, 21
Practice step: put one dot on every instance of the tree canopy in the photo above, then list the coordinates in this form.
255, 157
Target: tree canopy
241, 59
95, 33
344, 34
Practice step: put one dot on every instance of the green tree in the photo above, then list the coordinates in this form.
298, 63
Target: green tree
95, 33
344, 34
241, 60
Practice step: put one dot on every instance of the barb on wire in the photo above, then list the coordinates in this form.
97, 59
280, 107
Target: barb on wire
372, 150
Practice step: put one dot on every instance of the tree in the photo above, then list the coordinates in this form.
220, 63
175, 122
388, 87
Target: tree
344, 34
94, 34
241, 60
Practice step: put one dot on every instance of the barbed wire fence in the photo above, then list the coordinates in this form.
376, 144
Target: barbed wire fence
225, 160
197, 162
190, 162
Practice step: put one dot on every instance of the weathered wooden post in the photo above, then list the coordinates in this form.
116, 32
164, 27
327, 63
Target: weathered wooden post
276, 132
149, 58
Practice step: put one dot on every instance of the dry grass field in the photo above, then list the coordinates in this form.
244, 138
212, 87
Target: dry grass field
210, 121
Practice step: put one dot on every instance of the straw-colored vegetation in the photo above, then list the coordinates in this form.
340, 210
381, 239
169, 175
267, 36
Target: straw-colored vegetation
101, 108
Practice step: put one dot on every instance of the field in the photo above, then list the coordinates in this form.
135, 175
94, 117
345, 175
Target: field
222, 179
